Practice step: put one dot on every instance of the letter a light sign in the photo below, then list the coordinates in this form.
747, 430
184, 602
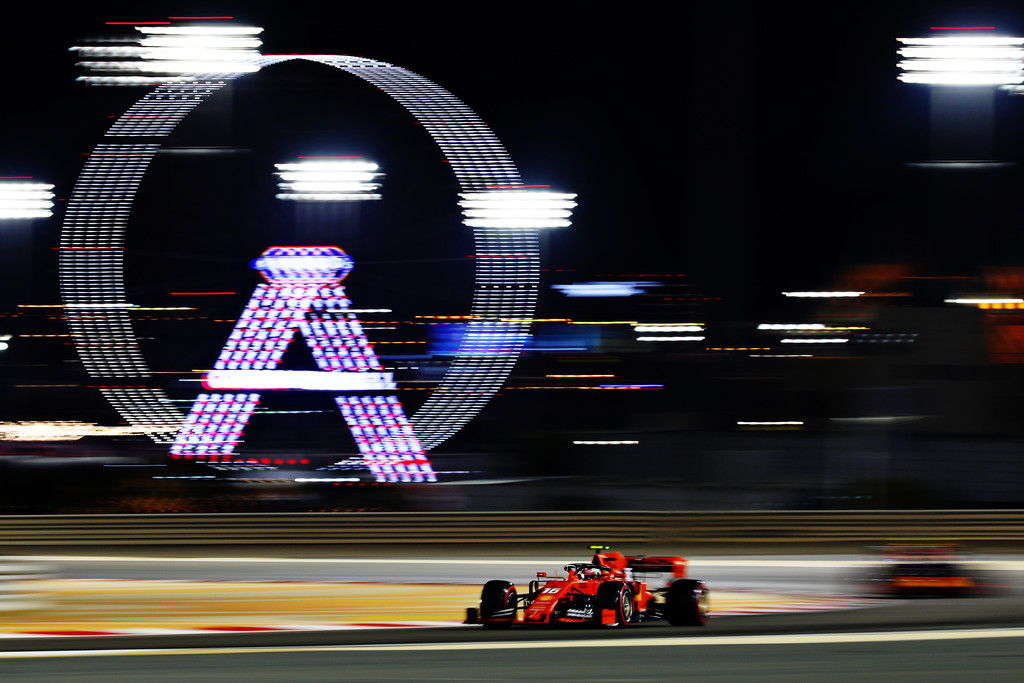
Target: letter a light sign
303, 293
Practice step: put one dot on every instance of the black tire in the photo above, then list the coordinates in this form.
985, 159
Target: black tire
618, 596
687, 603
496, 599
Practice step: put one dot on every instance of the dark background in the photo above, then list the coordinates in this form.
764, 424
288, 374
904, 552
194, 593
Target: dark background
735, 152
748, 145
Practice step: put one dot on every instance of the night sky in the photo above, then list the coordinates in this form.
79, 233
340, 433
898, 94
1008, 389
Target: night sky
748, 145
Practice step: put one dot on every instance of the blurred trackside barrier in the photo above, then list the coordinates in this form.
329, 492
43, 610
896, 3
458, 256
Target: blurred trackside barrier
18, 585
728, 528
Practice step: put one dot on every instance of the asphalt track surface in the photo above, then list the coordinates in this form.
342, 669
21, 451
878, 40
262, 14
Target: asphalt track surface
913, 640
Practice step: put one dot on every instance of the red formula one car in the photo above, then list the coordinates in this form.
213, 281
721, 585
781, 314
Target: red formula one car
610, 590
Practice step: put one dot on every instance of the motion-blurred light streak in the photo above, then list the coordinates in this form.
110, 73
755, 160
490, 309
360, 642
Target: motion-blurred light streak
171, 53
962, 60
58, 430
979, 301
823, 295
21, 199
605, 289
650, 327
770, 424
670, 339
517, 209
605, 443
335, 180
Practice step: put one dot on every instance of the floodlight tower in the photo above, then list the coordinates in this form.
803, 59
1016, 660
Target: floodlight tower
963, 68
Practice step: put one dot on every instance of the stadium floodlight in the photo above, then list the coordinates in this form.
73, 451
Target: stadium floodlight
962, 60
20, 199
348, 179
172, 53
517, 209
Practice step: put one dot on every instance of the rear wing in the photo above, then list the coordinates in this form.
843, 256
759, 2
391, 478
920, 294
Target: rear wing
671, 568
676, 566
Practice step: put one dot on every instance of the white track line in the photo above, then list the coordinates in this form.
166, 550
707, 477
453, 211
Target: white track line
698, 641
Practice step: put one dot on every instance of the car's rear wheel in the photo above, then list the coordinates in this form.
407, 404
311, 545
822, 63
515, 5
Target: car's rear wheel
616, 595
498, 603
687, 603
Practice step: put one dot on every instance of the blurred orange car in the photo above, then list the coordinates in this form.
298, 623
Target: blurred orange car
924, 569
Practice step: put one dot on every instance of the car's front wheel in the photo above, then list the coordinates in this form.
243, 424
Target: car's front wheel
498, 603
616, 595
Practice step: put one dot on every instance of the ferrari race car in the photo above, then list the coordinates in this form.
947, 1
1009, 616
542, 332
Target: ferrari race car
610, 590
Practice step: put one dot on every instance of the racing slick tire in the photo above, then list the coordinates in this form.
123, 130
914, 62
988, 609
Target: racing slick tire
498, 603
618, 596
687, 603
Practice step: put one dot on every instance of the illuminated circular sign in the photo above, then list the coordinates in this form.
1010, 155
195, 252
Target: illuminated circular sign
507, 264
